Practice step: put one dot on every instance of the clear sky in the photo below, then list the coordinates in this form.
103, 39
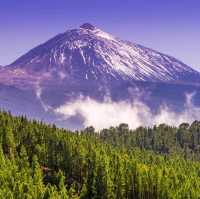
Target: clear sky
170, 26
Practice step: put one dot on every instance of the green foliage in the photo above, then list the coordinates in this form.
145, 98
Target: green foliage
39, 161
162, 139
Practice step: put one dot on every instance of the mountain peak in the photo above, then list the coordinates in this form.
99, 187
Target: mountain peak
88, 26
91, 53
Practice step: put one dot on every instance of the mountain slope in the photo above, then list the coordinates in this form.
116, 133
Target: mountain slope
89, 62
89, 53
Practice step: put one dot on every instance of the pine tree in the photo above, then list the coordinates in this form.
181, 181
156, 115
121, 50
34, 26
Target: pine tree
8, 142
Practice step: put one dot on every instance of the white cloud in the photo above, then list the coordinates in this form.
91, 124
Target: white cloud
107, 113
38, 92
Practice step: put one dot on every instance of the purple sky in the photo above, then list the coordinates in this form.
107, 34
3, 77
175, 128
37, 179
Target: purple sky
171, 26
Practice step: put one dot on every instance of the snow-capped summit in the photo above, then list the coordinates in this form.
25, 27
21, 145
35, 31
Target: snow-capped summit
90, 53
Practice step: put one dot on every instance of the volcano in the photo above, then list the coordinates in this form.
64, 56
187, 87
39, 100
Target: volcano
88, 62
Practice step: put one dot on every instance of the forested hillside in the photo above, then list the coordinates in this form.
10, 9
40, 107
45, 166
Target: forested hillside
41, 161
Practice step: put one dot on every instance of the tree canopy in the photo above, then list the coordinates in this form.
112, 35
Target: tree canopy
41, 161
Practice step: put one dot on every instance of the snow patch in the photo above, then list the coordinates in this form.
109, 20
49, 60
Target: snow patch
62, 58
104, 35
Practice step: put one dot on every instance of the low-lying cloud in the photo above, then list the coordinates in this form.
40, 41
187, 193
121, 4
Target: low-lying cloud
108, 113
